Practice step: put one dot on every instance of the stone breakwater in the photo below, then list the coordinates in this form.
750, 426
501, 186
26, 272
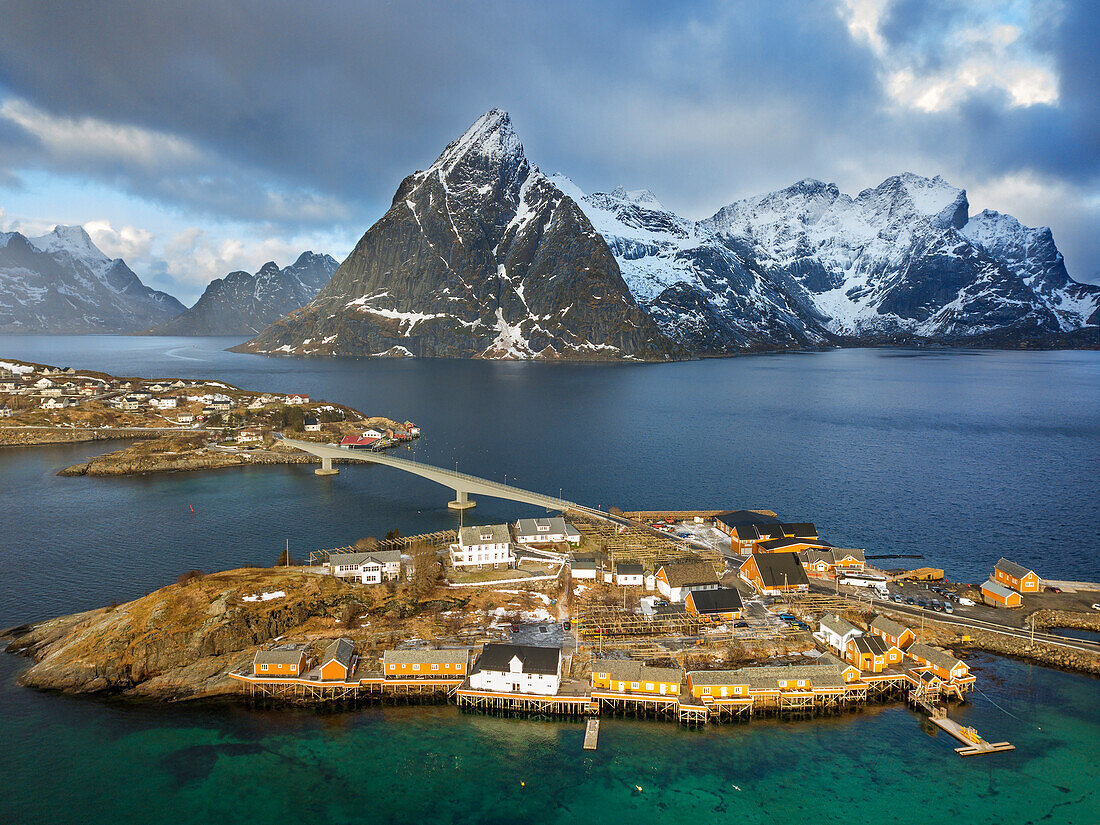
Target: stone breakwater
32, 436
122, 464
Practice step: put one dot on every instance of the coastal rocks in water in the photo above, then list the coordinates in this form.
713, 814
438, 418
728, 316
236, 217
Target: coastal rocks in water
178, 642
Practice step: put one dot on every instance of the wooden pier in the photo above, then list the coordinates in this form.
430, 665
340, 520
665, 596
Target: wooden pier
591, 734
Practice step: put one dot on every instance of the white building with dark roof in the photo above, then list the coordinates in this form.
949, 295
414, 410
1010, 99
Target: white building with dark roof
371, 567
487, 546
518, 669
546, 531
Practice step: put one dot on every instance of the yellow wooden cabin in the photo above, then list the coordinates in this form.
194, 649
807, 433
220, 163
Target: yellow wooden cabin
998, 595
337, 663
894, 633
280, 660
711, 685
628, 676
406, 664
1016, 577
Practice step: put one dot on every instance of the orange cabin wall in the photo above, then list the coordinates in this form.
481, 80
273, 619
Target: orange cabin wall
278, 670
425, 669
333, 670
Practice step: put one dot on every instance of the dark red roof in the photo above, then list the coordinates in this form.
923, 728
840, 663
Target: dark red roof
357, 441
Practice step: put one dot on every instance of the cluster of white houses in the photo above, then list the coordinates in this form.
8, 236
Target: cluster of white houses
494, 545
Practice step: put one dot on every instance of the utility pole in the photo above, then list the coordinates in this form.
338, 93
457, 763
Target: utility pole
288, 552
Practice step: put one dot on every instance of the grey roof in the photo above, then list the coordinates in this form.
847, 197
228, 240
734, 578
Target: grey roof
425, 657
888, 626
768, 676
689, 573
940, 658
1017, 571
541, 526
839, 554
628, 670
583, 564
538, 660
341, 650
835, 661
838, 625
779, 569
722, 600
999, 589
629, 570
875, 645
288, 654
486, 534
718, 677
380, 556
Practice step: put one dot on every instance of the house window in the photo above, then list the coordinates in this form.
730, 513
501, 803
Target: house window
263, 667
416, 667
649, 685
633, 685
435, 667
393, 667
706, 691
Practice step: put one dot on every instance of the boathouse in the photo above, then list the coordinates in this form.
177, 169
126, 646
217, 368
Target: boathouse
280, 660
709, 685
404, 664
1016, 576
337, 661
997, 595
721, 604
629, 676
518, 669
871, 654
939, 662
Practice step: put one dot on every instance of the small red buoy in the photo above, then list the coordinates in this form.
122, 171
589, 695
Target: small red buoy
192, 506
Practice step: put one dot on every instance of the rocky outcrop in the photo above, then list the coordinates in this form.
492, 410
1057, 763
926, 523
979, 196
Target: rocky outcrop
62, 283
243, 304
178, 642
479, 256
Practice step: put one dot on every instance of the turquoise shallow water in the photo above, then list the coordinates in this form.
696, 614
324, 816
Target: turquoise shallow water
97, 762
960, 456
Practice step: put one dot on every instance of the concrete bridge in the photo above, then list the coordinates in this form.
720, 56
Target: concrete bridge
464, 485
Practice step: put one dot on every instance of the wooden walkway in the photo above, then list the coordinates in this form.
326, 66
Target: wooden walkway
591, 734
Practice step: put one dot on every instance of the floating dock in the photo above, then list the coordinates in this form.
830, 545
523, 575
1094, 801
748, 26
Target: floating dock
591, 734
973, 744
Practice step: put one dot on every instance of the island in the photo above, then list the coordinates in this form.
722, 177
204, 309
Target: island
176, 424
692, 616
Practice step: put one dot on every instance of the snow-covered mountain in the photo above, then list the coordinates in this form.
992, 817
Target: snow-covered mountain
243, 304
61, 282
479, 256
809, 264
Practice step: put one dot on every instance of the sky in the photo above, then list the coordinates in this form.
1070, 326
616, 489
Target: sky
197, 138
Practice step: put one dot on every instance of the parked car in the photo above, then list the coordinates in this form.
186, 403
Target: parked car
922, 602
966, 602
788, 617
947, 608
898, 598
1052, 589
935, 604
910, 600
566, 625
742, 624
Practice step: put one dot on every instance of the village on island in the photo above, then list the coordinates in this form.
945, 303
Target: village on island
645, 613
699, 616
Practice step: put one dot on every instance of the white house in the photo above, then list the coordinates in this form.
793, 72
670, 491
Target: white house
185, 418
249, 435
166, 402
629, 575
256, 404
556, 530
312, 425
370, 567
480, 546
518, 669
584, 567
835, 632
677, 579
58, 403
371, 433
296, 398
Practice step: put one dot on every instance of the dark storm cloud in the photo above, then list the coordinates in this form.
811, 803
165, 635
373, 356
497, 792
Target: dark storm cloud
307, 113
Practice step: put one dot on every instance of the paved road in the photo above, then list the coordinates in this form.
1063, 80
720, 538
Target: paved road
980, 624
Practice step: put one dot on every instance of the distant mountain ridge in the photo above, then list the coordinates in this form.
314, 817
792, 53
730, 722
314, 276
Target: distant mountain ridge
808, 265
483, 256
244, 304
61, 282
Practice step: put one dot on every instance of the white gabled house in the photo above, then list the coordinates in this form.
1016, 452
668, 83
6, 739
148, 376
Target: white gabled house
489, 545
372, 567
835, 632
531, 531
518, 669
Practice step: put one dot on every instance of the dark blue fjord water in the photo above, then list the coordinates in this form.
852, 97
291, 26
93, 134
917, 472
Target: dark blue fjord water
960, 456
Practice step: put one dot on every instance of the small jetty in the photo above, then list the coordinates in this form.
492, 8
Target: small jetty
591, 734
973, 744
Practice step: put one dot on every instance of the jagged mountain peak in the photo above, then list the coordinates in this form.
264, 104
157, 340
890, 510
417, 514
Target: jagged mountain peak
490, 141
73, 240
911, 195
639, 197
269, 268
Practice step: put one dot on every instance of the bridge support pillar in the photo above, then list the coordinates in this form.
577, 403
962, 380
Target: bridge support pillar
461, 502
326, 468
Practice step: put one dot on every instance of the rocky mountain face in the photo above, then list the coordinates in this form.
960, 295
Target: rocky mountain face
479, 256
243, 304
807, 265
61, 282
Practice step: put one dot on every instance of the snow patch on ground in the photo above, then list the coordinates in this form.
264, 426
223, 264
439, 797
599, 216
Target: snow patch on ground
265, 597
